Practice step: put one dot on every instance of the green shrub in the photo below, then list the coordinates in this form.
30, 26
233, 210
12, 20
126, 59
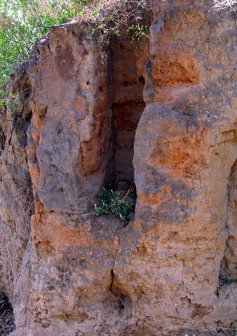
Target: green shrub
11, 100
226, 280
138, 31
109, 18
23, 22
111, 203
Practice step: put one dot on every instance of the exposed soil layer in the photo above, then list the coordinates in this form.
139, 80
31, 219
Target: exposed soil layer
69, 272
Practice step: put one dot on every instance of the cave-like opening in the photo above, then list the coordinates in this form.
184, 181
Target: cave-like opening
127, 105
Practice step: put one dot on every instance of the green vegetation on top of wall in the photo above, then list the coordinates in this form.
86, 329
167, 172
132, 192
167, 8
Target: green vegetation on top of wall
23, 22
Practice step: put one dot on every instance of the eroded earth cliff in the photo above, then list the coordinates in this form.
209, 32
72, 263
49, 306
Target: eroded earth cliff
162, 114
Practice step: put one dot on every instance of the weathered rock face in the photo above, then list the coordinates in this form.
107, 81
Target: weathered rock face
162, 114
16, 203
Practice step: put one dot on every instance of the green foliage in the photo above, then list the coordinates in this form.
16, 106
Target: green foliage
233, 324
23, 22
103, 208
2, 101
8, 99
11, 100
113, 17
138, 31
111, 203
225, 279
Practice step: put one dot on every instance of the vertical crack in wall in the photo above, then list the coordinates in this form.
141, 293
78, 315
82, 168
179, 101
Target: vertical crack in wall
229, 263
16, 192
127, 105
123, 302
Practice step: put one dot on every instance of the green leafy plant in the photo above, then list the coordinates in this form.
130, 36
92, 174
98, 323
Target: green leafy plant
13, 101
10, 100
103, 207
111, 203
23, 22
138, 31
109, 18
225, 279
2, 101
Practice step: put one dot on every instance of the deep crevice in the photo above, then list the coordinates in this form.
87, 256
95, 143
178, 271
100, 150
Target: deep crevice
123, 302
2, 140
127, 105
228, 272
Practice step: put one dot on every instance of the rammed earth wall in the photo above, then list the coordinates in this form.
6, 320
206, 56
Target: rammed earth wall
162, 114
